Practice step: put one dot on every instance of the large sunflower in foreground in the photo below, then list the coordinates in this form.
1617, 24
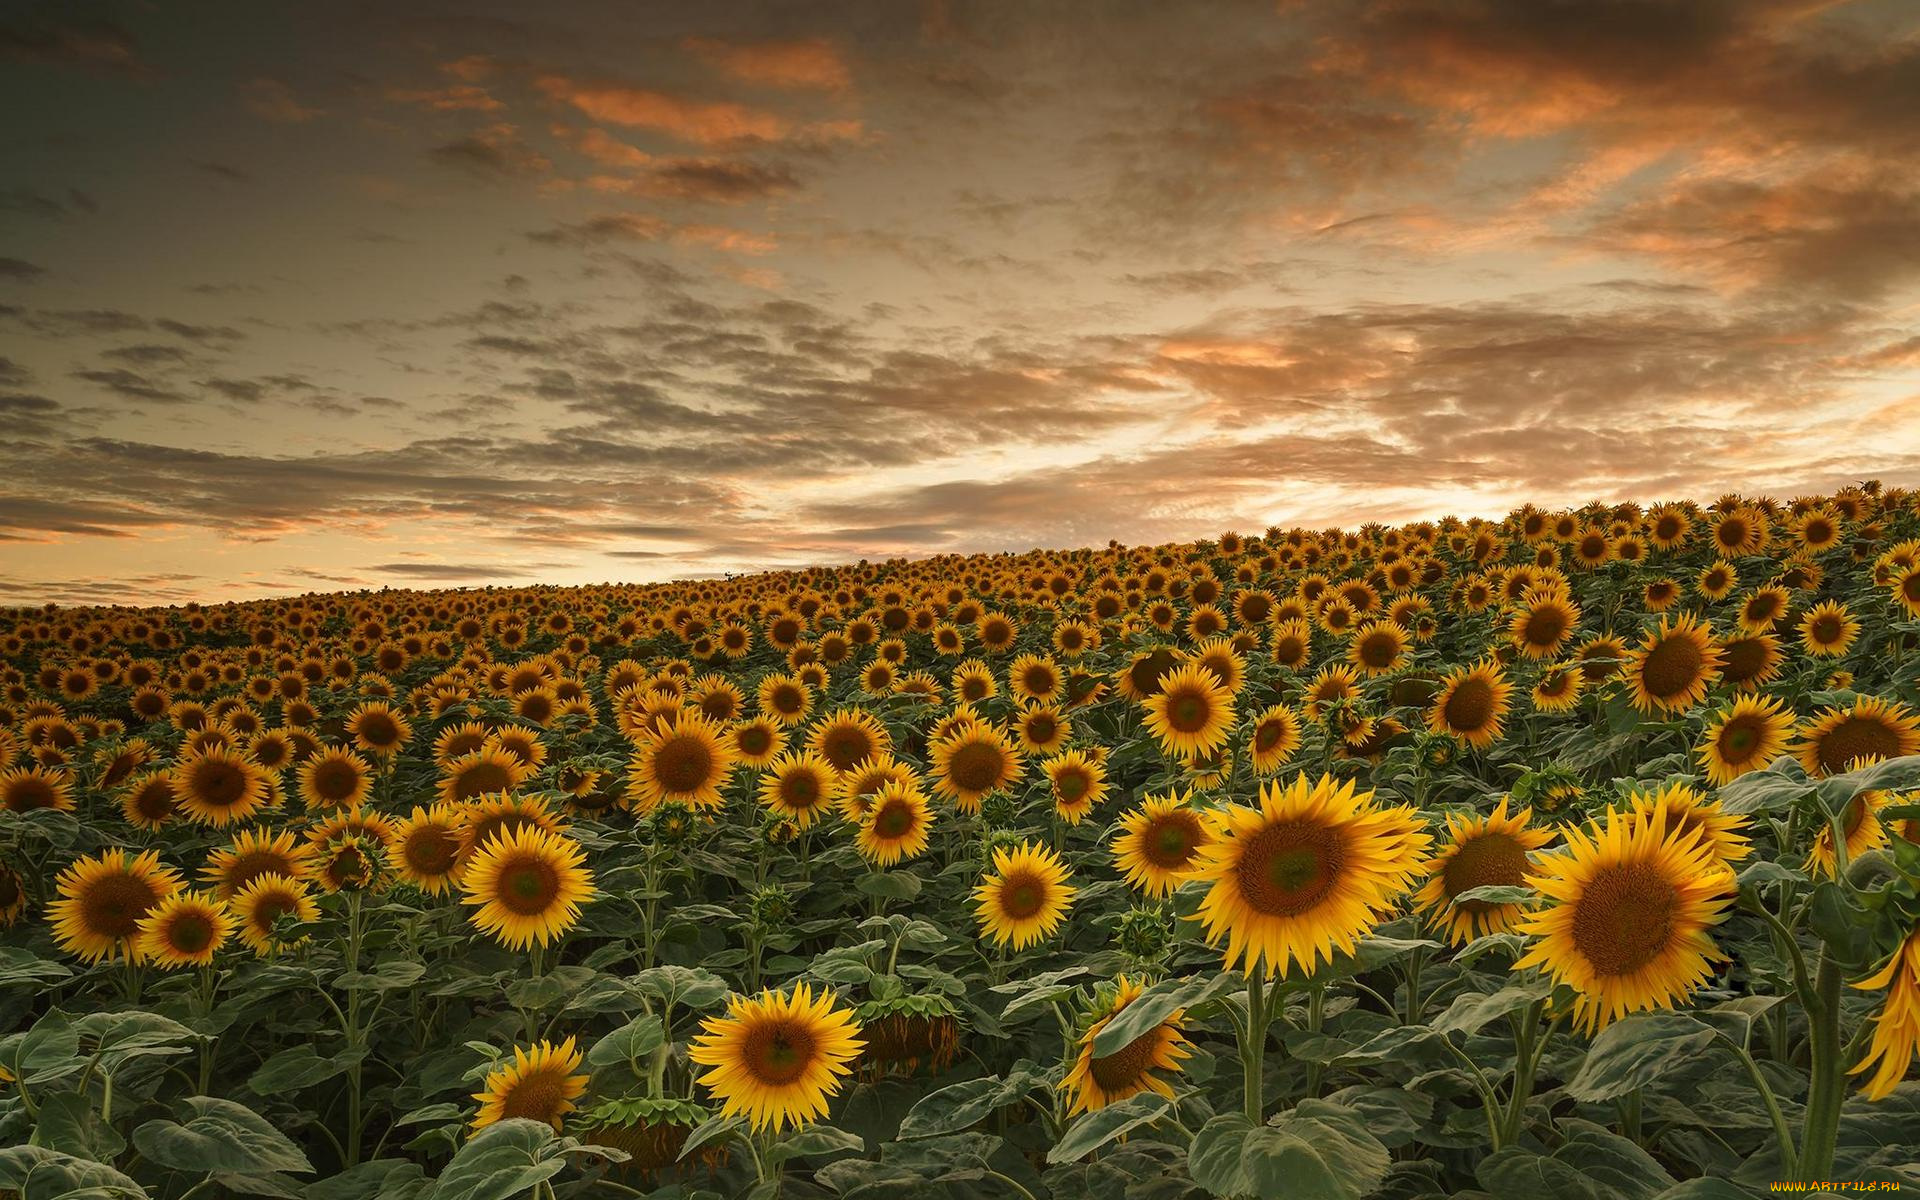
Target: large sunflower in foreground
540, 1084
1746, 737
1095, 1082
1311, 869
1481, 851
1025, 897
101, 900
778, 1058
1158, 843
1896, 1029
685, 762
1631, 910
1867, 730
527, 886
1674, 666
1471, 705
1192, 713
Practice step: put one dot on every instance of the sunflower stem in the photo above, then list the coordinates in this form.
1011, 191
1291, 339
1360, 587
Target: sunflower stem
1254, 1046
1820, 1128
1782, 1134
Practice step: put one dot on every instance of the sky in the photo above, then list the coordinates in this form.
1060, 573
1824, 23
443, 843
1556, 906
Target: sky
335, 296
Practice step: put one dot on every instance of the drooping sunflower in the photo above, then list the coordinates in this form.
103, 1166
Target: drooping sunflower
1674, 665
1539, 629
1093, 1082
425, 846
1863, 828
335, 778
526, 886
218, 787
1828, 630
1024, 897
777, 1059
100, 900
1686, 813
1630, 916
24, 789
800, 786
1159, 841
896, 825
1471, 704
259, 905
185, 929
148, 801
540, 1084
1311, 869
1751, 733
1896, 1028
1276, 735
253, 853
973, 763
1480, 851
686, 762
1192, 713
1078, 780
848, 737
1867, 730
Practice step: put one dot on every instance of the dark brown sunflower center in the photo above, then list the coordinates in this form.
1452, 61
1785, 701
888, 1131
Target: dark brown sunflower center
778, 1052
895, 819
1861, 736
788, 699
976, 767
1827, 629
1741, 739
379, 729
1379, 650
217, 783
1022, 895
1289, 868
1072, 785
190, 933
29, 792
112, 907
268, 909
1490, 859
539, 1095
431, 850
1469, 706
1544, 627
801, 789
1624, 918
528, 886
1040, 729
337, 781
1171, 839
1188, 712
1672, 667
682, 763
1125, 1068
846, 747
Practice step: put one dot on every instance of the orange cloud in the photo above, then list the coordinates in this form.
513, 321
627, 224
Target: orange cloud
460, 97
275, 101
702, 122
813, 63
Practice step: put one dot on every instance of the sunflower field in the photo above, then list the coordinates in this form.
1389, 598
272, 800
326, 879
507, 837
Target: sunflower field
1575, 853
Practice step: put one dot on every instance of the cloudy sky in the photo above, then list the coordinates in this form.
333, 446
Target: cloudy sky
301, 297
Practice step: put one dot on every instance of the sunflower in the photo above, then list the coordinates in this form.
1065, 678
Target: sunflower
425, 847
1828, 630
1095, 1082
101, 899
527, 885
263, 901
184, 930
1481, 851
540, 1084
1159, 841
1674, 665
1746, 737
457, 740
896, 825
1143, 673
1558, 688
1276, 735
1312, 868
1330, 686
1630, 910
1740, 532
350, 848
1543, 626
253, 853
1686, 813
1192, 714
858, 789
1762, 607
972, 763
1717, 581
218, 787
1752, 661
1379, 648
1034, 678
24, 789
1043, 728
1864, 831
13, 896
1471, 704
1896, 1028
335, 778
685, 762
1869, 729
1025, 897
1292, 644
1906, 589
757, 741
784, 699
379, 729
148, 801
800, 786
1078, 780
778, 1058
849, 737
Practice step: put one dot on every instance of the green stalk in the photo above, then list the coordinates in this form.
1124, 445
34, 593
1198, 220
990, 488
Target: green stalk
1253, 1048
1820, 1128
